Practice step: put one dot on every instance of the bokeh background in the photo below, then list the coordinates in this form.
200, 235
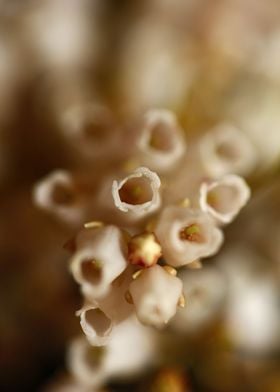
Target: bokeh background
207, 60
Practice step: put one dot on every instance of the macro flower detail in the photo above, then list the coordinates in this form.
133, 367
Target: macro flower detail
161, 143
58, 195
137, 193
224, 198
99, 259
226, 149
144, 250
186, 235
155, 295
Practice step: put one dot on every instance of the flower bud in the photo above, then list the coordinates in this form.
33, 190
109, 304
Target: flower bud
144, 250
155, 295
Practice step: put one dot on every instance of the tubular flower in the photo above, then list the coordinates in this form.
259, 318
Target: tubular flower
100, 257
57, 194
96, 325
224, 198
155, 294
227, 150
161, 143
186, 235
137, 193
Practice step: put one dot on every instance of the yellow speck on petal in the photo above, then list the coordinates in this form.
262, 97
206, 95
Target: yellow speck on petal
93, 224
137, 274
196, 264
170, 270
182, 301
186, 203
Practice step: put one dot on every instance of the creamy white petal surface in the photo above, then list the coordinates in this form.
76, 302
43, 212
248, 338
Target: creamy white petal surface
161, 143
224, 198
155, 295
99, 259
57, 195
186, 235
225, 149
137, 193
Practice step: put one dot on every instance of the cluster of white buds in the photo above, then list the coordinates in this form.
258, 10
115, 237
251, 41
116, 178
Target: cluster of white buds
127, 268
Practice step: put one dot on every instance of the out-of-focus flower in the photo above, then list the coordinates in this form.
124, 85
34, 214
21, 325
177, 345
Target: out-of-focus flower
137, 193
224, 198
157, 67
171, 380
99, 259
161, 142
58, 194
205, 291
91, 129
155, 294
225, 150
254, 108
92, 366
186, 235
85, 362
252, 317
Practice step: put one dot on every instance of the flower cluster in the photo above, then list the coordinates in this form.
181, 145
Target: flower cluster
160, 208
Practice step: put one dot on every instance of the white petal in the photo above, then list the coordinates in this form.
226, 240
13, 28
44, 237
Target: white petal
177, 251
148, 184
161, 125
155, 295
57, 194
224, 198
99, 259
226, 150
96, 325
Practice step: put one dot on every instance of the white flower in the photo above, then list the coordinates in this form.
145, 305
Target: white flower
186, 235
252, 313
99, 259
130, 350
57, 194
225, 149
86, 363
224, 198
96, 325
161, 143
205, 292
137, 193
155, 294
90, 128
